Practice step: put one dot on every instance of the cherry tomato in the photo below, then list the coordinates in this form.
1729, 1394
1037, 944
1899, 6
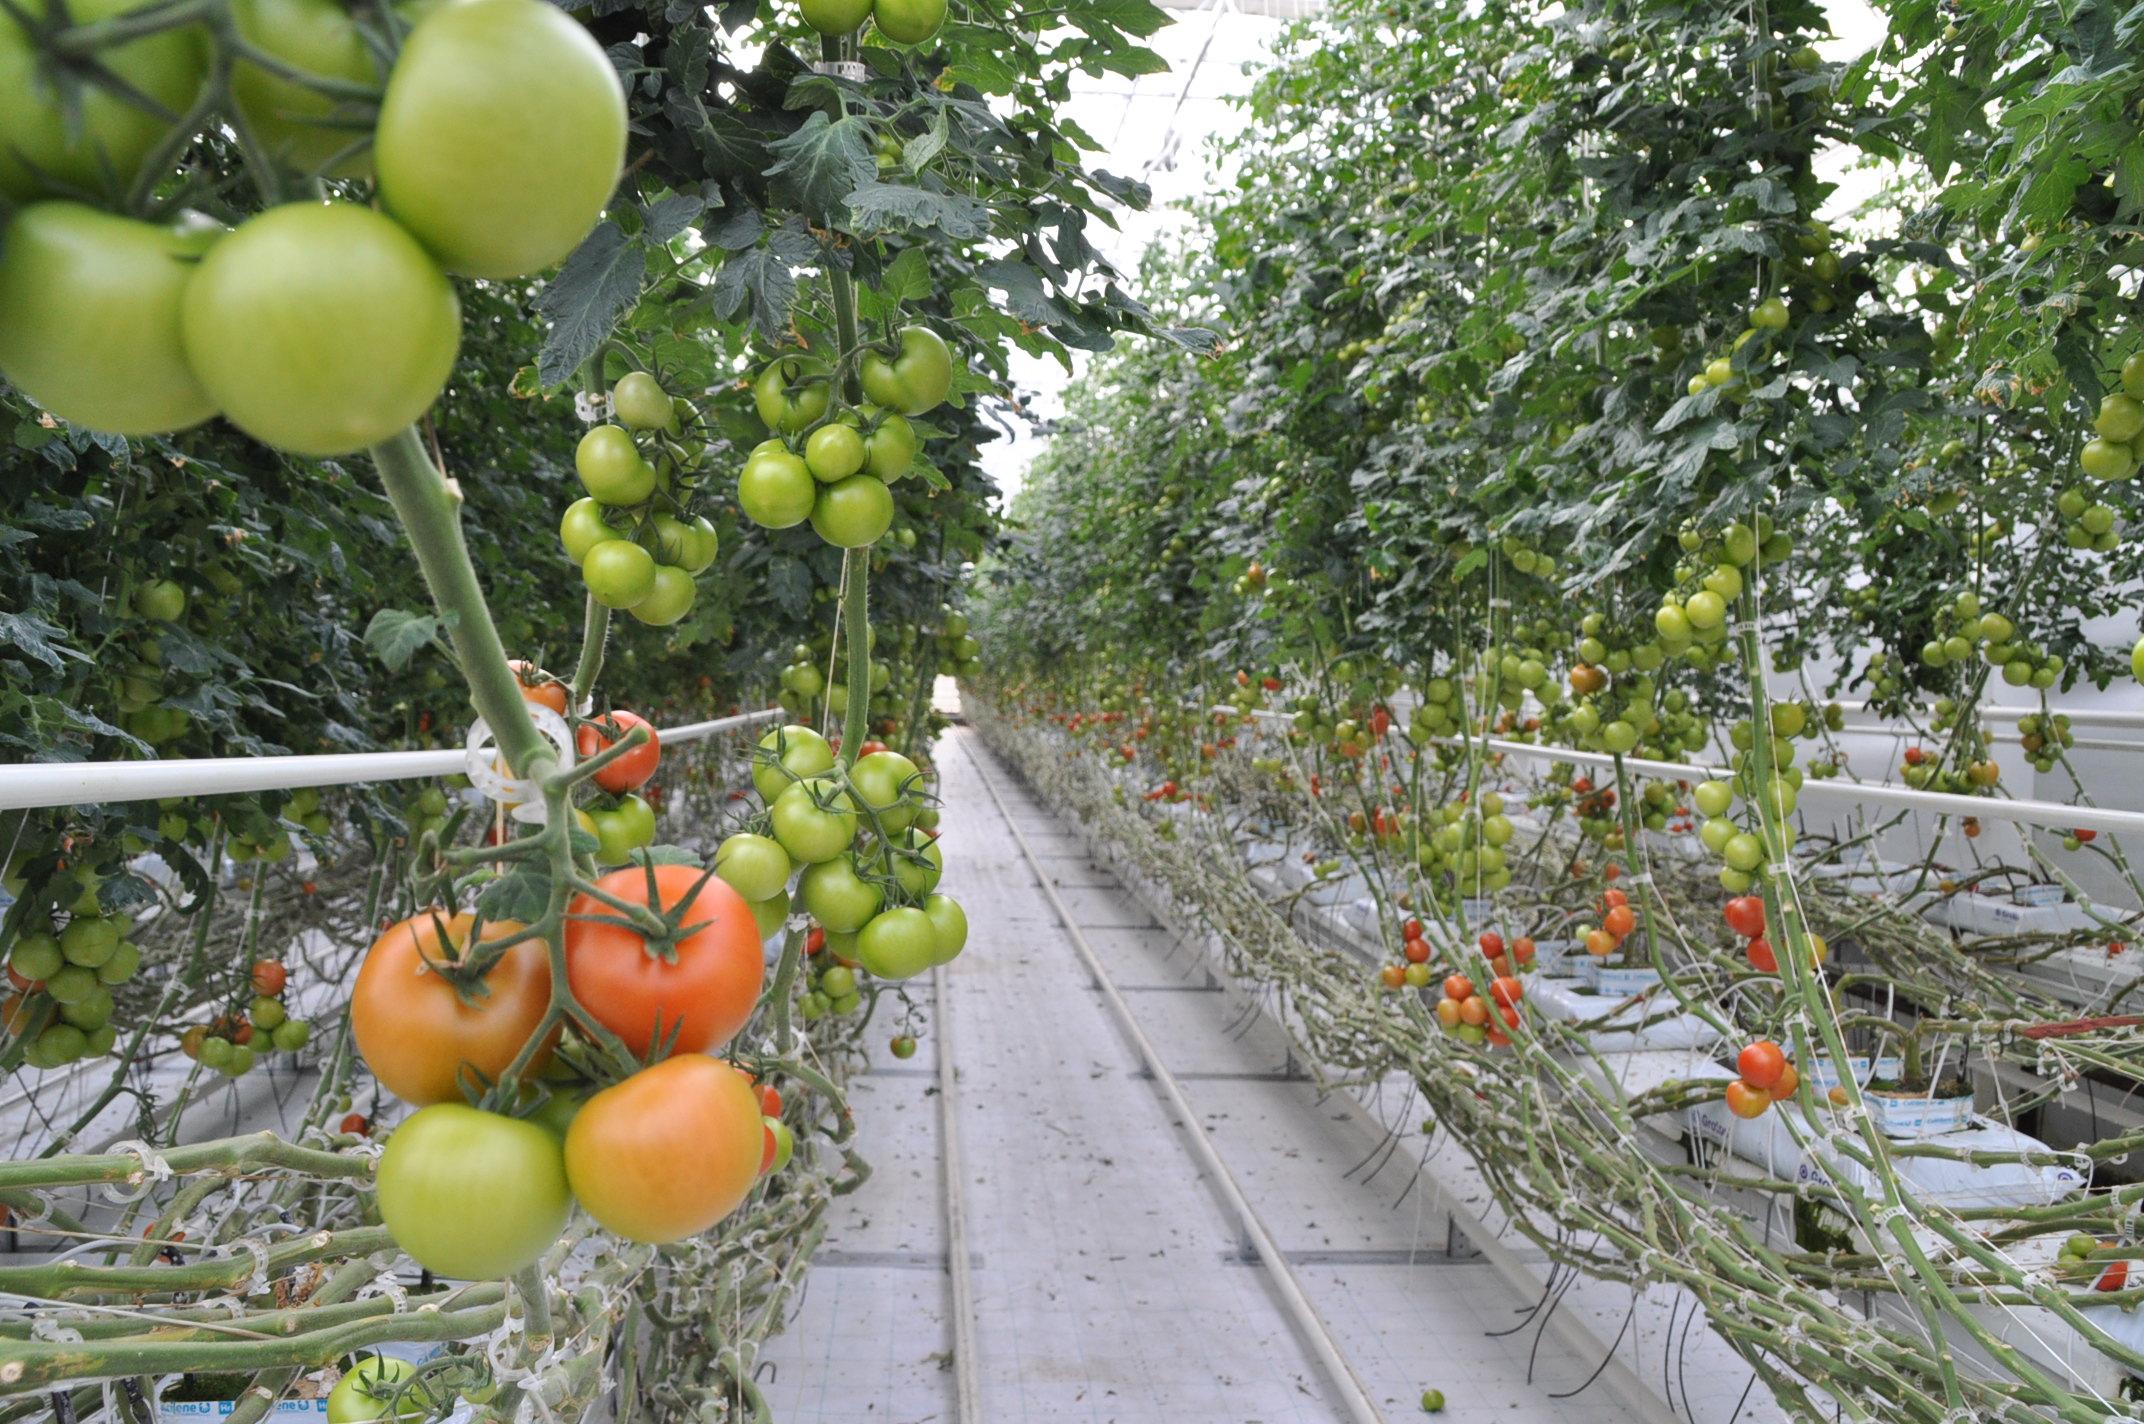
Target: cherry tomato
1761, 1063
1745, 915
544, 693
705, 988
269, 977
1747, 1102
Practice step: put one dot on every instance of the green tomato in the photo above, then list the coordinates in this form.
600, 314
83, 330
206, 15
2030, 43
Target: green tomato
160, 601
91, 1012
908, 21
835, 17
898, 944
917, 863
623, 829
1770, 315
472, 1195
640, 403
100, 142
611, 467
619, 573
36, 957
1713, 798
89, 940
56, 1044
670, 597
2104, 459
239, 1061
691, 547
951, 923
887, 784
770, 914
2136, 661
836, 896
853, 513
809, 832
583, 528
216, 1053
2121, 418
1433, 1399
501, 135
789, 754
834, 452
301, 128
785, 1144
321, 328
755, 866
921, 376
292, 1035
266, 1013
791, 393
1743, 852
776, 490
367, 1391
891, 444
89, 314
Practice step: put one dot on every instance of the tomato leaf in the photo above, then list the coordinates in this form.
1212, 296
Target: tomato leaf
876, 206
595, 286
395, 636
824, 161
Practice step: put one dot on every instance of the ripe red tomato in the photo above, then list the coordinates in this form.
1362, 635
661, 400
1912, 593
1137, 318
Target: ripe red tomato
1745, 915
1761, 1063
631, 771
702, 993
1619, 921
269, 977
1459, 987
1522, 949
417, 1033
355, 1124
1507, 991
623, 1153
1492, 944
1417, 951
1761, 957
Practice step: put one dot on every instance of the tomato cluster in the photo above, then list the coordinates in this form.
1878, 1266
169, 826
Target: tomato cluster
832, 465
319, 328
232, 1042
1767, 1078
633, 535
865, 869
60, 981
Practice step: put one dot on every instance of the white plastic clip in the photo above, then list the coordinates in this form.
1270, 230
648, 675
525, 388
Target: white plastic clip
154, 1169
488, 773
852, 70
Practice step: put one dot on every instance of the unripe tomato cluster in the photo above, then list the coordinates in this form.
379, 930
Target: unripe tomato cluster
60, 980
833, 465
1692, 620
1968, 630
905, 22
1741, 850
1766, 1078
320, 328
634, 536
233, 1042
864, 869
2117, 442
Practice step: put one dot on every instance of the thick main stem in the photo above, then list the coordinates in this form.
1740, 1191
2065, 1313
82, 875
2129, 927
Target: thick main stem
430, 508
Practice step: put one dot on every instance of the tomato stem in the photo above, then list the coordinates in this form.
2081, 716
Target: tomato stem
429, 507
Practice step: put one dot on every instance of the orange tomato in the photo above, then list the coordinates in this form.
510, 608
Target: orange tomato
1508, 990
1789, 1084
1619, 921
1522, 949
1417, 951
543, 694
668, 1152
1448, 1012
417, 1033
1747, 1102
269, 977
1458, 986
1393, 976
1473, 1010
1600, 943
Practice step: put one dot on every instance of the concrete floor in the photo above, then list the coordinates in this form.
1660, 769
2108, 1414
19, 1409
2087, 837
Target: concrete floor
1110, 1284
